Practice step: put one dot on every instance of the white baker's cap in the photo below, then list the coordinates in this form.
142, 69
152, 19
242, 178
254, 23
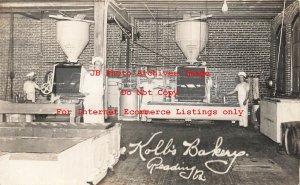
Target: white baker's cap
242, 74
30, 74
97, 59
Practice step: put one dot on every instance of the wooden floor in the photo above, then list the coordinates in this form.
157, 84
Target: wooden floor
131, 170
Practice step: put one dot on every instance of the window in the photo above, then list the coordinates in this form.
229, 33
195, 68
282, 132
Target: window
296, 56
280, 81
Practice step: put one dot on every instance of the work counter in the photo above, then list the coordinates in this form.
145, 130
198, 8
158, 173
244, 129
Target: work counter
39, 108
195, 111
57, 153
274, 112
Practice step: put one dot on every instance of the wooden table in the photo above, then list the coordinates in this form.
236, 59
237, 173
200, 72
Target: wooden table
220, 108
39, 108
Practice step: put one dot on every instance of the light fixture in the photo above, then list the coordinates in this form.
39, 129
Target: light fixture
224, 7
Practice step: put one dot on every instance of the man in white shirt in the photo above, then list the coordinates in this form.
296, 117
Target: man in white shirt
93, 90
243, 96
30, 86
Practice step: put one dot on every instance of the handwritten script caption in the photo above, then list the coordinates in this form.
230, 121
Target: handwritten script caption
191, 149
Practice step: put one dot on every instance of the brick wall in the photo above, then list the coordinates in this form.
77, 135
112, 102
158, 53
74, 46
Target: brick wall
234, 45
116, 49
4, 49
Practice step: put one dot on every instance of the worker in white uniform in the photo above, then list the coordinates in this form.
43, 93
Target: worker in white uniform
30, 86
242, 90
93, 90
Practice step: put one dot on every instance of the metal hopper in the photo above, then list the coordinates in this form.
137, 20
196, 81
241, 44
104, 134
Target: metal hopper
72, 36
191, 37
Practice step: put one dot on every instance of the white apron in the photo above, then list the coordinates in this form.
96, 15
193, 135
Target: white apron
242, 89
92, 88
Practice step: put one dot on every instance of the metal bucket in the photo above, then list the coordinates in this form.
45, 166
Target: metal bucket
112, 91
128, 101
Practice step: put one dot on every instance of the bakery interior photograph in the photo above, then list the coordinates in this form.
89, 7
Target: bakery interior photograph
149, 92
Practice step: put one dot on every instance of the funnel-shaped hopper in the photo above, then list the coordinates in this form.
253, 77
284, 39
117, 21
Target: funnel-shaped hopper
72, 36
191, 37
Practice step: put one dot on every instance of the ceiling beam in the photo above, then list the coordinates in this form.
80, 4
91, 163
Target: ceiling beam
201, 1
125, 10
43, 5
121, 15
35, 15
178, 6
178, 15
